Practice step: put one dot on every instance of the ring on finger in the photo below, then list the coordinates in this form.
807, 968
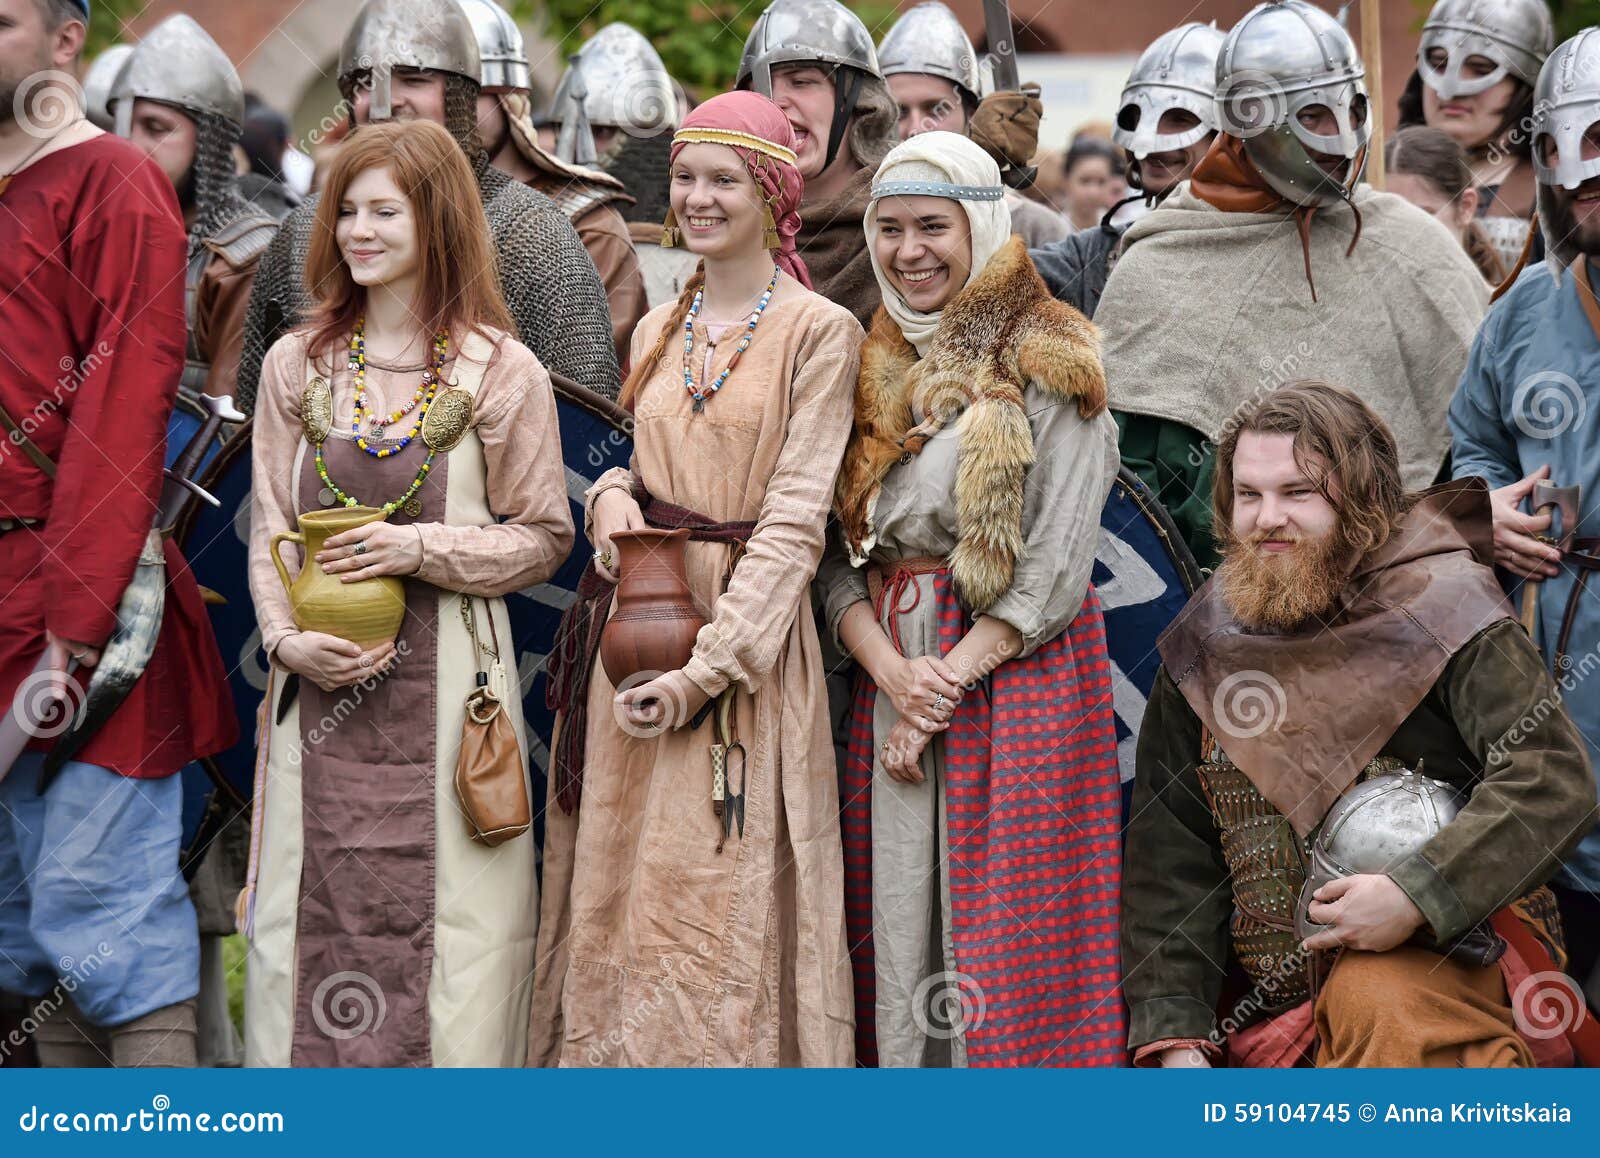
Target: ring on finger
360, 548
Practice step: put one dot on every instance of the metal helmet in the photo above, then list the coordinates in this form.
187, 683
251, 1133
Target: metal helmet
1566, 102
390, 34
929, 40
805, 32
178, 64
502, 55
1516, 34
1178, 71
97, 82
1282, 58
616, 81
1372, 828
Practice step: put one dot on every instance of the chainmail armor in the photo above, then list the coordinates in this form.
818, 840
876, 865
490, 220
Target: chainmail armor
549, 282
216, 190
642, 164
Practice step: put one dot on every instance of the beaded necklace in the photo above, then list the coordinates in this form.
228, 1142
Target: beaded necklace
424, 397
424, 394
700, 396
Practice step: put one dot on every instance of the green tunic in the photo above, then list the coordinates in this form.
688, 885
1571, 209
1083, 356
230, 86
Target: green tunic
1492, 724
1175, 462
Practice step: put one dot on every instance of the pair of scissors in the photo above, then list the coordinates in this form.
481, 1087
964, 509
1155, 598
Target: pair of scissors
727, 804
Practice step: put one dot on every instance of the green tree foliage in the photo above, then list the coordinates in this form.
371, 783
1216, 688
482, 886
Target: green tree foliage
1572, 16
108, 24
699, 40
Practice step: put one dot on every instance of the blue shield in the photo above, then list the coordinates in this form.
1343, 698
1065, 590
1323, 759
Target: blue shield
1144, 573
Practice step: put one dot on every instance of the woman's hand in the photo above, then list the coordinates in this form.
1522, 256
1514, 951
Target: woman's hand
370, 551
901, 753
668, 701
924, 691
615, 510
331, 662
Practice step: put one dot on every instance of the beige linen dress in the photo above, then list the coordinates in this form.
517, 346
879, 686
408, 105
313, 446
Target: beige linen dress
654, 948
380, 933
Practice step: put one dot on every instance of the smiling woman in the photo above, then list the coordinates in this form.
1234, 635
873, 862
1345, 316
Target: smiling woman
969, 506
657, 873
361, 866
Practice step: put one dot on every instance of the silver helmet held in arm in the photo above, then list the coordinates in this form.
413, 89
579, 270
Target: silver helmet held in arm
1566, 105
502, 55
1371, 829
1177, 71
1283, 58
928, 40
406, 34
616, 81
1514, 34
178, 64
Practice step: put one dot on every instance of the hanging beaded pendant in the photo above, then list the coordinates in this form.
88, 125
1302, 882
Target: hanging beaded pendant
423, 396
698, 395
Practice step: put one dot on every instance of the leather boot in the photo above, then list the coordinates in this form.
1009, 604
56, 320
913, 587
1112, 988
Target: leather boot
164, 1039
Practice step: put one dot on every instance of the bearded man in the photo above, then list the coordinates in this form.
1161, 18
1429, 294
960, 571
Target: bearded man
179, 100
405, 59
1273, 260
1352, 629
1519, 419
1165, 125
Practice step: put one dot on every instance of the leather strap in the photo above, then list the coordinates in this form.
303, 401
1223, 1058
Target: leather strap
1584, 556
30, 448
1585, 1033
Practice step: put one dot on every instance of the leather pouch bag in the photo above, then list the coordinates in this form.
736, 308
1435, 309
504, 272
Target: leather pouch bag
491, 773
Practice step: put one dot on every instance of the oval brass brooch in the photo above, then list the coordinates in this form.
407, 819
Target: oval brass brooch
447, 420
316, 410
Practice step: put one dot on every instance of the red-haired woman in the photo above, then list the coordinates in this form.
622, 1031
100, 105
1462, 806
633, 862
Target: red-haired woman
670, 935
381, 934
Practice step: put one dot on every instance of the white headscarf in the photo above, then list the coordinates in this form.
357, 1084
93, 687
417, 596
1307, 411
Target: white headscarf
947, 165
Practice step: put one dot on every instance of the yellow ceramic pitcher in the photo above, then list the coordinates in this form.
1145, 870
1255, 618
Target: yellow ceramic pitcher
368, 611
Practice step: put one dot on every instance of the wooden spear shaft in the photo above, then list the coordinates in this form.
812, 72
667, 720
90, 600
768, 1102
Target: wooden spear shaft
1372, 54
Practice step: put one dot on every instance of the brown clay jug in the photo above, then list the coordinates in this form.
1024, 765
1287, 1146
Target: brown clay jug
368, 611
654, 619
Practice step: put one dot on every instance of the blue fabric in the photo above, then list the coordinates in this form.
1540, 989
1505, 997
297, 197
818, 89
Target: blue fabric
1530, 396
90, 894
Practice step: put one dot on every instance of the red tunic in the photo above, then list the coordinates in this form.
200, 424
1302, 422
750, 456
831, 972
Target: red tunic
91, 348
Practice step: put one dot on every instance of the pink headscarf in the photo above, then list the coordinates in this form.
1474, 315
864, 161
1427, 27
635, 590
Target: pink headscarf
756, 129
